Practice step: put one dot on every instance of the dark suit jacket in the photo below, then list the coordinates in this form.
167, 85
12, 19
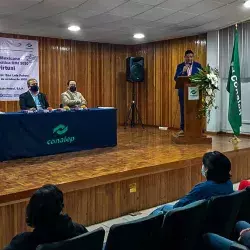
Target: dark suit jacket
195, 69
26, 101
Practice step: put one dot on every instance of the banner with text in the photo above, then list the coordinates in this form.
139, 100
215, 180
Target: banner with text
18, 62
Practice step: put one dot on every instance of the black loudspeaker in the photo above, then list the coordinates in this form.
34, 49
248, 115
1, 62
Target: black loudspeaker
135, 69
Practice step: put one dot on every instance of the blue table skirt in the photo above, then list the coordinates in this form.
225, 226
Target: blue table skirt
38, 134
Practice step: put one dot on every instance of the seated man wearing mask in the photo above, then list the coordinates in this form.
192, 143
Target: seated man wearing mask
33, 99
72, 98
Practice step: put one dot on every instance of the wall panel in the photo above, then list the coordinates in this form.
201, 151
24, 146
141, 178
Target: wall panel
99, 70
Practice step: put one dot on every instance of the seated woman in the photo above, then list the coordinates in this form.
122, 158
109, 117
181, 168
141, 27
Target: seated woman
44, 214
216, 169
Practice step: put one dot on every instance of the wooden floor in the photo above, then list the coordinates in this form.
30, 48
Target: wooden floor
144, 170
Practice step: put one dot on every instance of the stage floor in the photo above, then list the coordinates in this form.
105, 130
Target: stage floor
143, 171
138, 152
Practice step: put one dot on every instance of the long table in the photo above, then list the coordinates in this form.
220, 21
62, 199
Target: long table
37, 134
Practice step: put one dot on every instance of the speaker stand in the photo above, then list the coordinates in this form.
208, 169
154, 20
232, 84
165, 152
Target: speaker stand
133, 112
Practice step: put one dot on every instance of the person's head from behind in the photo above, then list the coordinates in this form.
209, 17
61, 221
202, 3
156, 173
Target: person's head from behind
71, 85
44, 207
32, 85
189, 56
216, 167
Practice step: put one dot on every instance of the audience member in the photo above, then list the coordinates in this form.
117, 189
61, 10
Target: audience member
44, 214
244, 184
242, 230
216, 168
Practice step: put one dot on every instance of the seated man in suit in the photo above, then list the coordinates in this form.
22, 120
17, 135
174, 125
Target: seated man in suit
187, 68
72, 98
33, 99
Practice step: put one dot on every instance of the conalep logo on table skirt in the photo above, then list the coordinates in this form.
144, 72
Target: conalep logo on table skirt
61, 130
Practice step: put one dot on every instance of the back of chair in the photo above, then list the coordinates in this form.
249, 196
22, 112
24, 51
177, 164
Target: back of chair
142, 234
89, 241
216, 242
237, 246
244, 214
222, 213
183, 226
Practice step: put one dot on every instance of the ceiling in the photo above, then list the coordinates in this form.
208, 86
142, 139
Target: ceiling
115, 21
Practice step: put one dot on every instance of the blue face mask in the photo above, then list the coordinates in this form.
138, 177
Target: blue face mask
203, 171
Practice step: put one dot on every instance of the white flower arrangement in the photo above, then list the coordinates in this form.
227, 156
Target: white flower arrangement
206, 80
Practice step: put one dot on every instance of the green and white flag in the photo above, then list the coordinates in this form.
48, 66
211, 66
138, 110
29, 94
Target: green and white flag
234, 89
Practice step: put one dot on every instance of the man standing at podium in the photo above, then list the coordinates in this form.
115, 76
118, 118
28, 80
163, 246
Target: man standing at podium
187, 68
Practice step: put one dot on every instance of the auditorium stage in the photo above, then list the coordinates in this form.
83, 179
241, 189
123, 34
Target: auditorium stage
144, 170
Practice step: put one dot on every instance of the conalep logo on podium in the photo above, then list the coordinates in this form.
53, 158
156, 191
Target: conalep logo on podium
193, 93
60, 130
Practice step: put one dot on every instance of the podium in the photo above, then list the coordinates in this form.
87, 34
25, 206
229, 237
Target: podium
193, 130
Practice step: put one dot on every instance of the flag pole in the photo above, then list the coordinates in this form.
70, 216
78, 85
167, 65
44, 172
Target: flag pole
235, 139
234, 89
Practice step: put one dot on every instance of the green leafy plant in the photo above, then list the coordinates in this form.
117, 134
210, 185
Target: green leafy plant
206, 80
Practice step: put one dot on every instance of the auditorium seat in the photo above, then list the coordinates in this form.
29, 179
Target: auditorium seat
89, 241
244, 213
222, 213
183, 226
220, 243
142, 234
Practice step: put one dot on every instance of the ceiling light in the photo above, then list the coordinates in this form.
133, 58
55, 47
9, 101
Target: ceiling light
139, 35
247, 4
74, 28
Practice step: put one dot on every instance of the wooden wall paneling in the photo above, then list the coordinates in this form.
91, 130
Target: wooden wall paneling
158, 68
99, 203
12, 221
122, 89
161, 59
99, 70
238, 160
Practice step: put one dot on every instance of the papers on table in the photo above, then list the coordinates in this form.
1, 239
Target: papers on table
106, 107
163, 128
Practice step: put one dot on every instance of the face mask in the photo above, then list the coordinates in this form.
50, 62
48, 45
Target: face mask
203, 171
34, 88
72, 88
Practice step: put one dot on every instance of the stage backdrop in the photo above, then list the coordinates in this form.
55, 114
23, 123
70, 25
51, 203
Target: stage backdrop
99, 70
18, 62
